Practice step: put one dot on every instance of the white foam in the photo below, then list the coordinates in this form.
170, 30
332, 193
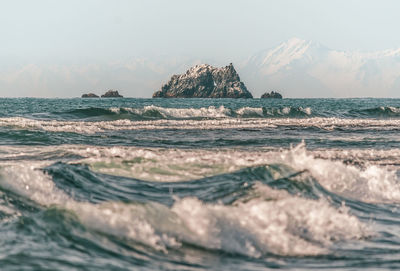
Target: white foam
166, 165
84, 127
179, 113
290, 226
374, 181
284, 225
372, 178
394, 109
250, 111
203, 112
27, 180
371, 183
285, 111
210, 112
366, 175
115, 110
306, 110
273, 221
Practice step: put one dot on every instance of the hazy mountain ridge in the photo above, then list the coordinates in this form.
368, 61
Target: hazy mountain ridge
301, 68
295, 68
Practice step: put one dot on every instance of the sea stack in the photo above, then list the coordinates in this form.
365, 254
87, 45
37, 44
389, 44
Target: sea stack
90, 95
205, 81
111, 94
272, 95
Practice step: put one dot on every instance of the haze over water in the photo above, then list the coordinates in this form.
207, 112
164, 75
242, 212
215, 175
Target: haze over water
312, 49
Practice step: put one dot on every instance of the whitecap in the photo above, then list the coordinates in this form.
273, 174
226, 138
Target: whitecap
85, 127
283, 225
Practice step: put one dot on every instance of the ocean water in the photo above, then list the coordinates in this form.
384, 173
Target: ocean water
199, 184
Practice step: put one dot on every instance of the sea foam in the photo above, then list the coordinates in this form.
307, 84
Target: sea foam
92, 127
283, 225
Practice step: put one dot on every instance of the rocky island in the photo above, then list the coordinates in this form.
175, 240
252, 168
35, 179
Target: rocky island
108, 94
111, 94
272, 95
205, 81
90, 95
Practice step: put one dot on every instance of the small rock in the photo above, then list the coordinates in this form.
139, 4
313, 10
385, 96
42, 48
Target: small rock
90, 95
272, 95
111, 94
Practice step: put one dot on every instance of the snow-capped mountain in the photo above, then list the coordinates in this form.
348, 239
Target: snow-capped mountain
300, 68
295, 68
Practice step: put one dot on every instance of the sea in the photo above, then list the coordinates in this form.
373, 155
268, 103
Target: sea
199, 184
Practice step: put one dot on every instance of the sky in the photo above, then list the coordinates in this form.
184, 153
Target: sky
48, 45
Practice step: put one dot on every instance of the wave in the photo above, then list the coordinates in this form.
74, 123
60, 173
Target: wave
264, 112
91, 127
364, 179
270, 221
156, 112
153, 112
380, 112
96, 113
87, 112
249, 202
212, 112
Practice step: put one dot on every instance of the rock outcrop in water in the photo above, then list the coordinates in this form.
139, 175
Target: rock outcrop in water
205, 81
90, 95
111, 94
272, 95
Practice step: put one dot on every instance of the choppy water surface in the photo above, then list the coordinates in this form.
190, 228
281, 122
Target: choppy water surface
199, 184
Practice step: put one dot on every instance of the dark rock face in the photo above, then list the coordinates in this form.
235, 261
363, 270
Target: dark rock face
205, 81
272, 95
90, 95
111, 94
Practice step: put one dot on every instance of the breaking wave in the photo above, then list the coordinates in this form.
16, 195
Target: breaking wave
211, 112
255, 211
90, 127
379, 112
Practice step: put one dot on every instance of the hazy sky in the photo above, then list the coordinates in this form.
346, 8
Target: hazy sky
84, 32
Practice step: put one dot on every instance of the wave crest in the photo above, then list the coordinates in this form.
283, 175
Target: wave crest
275, 222
211, 112
380, 112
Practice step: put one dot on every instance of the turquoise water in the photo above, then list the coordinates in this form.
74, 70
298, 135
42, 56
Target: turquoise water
199, 184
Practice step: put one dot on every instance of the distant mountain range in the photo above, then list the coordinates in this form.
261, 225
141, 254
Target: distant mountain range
295, 68
300, 68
